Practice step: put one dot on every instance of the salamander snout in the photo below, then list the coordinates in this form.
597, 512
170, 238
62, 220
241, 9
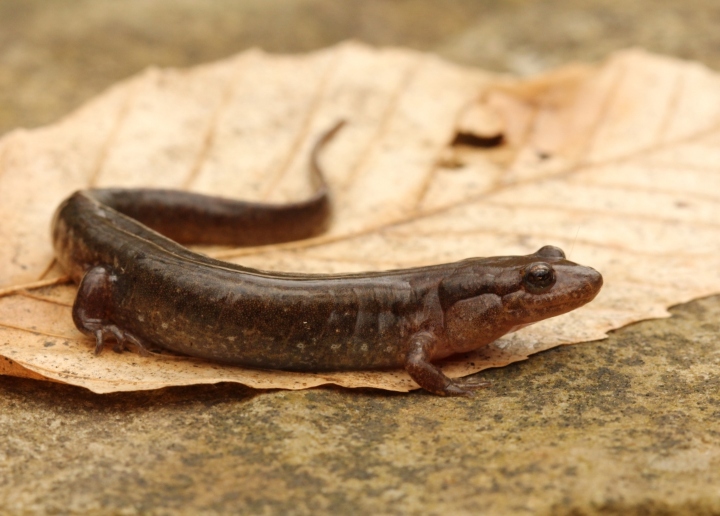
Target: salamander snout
594, 280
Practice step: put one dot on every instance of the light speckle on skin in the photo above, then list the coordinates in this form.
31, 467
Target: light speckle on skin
231, 338
364, 348
300, 345
141, 318
335, 347
164, 325
389, 349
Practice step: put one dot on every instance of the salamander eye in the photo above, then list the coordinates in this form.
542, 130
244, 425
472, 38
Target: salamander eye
550, 251
539, 277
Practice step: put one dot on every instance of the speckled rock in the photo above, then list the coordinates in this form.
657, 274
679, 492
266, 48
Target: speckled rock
624, 425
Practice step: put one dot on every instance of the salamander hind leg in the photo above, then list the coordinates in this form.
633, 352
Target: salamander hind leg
430, 377
93, 308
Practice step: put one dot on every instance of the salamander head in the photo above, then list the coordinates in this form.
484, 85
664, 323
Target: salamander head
550, 287
487, 298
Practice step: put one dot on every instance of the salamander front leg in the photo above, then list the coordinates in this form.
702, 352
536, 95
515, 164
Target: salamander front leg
431, 378
92, 312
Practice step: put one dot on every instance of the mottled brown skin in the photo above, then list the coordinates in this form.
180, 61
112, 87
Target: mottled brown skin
143, 289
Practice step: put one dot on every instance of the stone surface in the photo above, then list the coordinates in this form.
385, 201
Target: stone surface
56, 54
621, 425
626, 425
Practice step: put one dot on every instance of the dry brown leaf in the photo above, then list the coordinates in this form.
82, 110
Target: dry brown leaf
617, 164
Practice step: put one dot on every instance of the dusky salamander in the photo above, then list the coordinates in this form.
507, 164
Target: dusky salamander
143, 289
